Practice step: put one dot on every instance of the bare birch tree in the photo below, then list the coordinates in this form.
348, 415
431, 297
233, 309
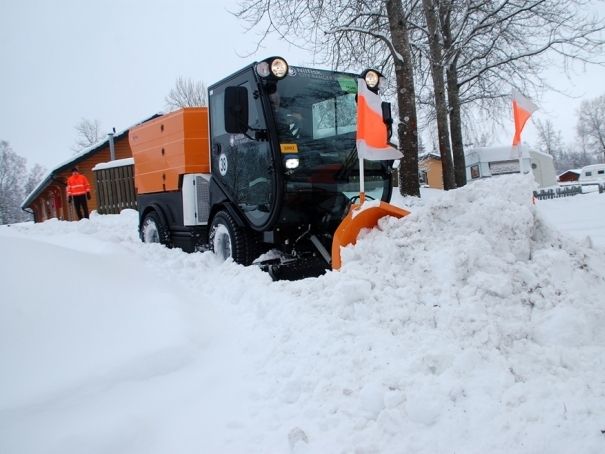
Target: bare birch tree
490, 46
34, 177
573, 156
12, 173
186, 93
89, 134
591, 125
434, 38
567, 156
15, 184
549, 140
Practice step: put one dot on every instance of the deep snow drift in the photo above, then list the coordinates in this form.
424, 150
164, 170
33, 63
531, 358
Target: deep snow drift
471, 326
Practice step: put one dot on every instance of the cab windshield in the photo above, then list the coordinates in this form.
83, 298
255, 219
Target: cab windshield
315, 114
312, 105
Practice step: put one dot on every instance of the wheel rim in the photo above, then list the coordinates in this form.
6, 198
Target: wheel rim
150, 232
222, 242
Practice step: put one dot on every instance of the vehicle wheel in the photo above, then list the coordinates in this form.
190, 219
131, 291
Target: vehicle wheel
227, 239
153, 231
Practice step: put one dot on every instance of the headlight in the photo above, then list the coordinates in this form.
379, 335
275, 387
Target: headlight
292, 162
372, 79
262, 69
279, 68
272, 68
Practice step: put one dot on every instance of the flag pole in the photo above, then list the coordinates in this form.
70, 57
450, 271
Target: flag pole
362, 193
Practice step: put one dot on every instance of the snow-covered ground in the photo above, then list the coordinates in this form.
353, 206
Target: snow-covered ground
474, 325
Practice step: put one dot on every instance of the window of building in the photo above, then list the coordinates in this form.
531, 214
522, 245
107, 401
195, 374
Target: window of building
504, 167
422, 177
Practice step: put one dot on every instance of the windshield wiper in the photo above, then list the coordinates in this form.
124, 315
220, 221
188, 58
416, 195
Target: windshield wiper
345, 171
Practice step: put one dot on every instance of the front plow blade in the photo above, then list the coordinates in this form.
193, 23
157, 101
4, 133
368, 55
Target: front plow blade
360, 217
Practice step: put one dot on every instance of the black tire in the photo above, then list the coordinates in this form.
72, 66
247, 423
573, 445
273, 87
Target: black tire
153, 230
227, 239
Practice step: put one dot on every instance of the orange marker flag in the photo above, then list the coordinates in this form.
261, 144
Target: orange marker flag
522, 110
371, 129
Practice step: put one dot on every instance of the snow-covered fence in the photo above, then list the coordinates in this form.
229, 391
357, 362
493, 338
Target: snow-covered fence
566, 191
115, 186
600, 186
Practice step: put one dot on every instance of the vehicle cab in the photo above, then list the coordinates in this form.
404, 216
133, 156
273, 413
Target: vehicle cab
283, 149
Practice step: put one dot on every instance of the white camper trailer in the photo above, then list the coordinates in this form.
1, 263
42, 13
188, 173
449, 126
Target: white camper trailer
594, 173
485, 162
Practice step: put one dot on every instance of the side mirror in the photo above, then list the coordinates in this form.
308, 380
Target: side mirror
236, 110
387, 118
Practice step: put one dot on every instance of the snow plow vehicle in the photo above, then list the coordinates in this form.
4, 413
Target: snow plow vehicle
269, 173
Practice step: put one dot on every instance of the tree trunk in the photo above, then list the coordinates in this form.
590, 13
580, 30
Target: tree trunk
453, 97
437, 74
407, 129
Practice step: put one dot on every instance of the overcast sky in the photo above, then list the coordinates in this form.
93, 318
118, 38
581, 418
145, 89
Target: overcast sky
115, 61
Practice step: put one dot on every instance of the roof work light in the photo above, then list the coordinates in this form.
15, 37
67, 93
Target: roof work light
272, 68
292, 162
373, 79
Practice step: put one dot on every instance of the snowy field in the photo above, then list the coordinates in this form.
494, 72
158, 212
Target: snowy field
474, 325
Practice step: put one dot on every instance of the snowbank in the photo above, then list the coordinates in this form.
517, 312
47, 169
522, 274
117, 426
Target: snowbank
471, 325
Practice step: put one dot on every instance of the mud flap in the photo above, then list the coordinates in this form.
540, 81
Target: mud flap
360, 217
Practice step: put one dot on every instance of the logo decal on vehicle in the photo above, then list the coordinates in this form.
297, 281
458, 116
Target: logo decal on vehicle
222, 164
288, 147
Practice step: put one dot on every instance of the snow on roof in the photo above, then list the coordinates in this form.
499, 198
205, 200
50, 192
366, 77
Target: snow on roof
540, 153
592, 167
576, 171
116, 163
428, 155
490, 154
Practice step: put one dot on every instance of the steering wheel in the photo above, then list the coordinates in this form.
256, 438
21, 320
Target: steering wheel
356, 198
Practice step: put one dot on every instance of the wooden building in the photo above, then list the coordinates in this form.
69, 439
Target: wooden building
430, 170
569, 176
49, 199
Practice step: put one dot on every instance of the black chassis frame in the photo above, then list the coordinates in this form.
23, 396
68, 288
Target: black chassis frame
169, 207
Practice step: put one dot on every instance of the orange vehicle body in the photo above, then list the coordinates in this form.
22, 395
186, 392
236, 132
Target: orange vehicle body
169, 146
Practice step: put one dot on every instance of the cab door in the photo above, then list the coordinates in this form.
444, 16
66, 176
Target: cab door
243, 166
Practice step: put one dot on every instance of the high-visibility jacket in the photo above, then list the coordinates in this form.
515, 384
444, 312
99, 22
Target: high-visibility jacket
77, 185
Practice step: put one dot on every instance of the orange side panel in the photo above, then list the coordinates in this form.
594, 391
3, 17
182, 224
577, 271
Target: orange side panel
169, 146
349, 228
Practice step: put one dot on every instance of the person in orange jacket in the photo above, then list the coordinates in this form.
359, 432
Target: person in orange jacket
78, 190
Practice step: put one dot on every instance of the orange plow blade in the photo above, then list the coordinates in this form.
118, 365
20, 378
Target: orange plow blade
359, 219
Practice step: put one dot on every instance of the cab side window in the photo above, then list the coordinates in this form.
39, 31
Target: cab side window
217, 107
253, 117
